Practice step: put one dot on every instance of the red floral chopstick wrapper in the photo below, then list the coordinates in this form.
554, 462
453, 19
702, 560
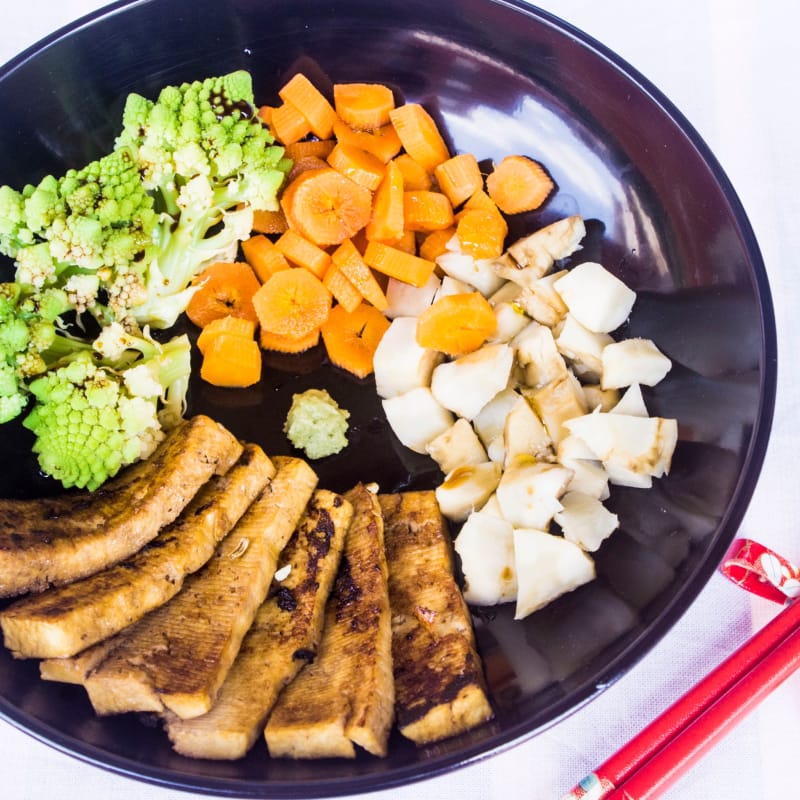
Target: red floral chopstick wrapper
748, 564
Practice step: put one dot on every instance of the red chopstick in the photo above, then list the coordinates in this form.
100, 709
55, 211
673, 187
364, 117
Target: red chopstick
668, 746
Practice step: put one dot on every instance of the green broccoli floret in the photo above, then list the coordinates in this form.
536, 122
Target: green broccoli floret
91, 419
209, 162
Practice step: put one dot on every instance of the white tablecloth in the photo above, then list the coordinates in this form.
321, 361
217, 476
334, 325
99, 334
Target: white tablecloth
730, 66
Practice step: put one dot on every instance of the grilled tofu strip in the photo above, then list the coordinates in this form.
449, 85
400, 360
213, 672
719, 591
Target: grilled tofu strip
346, 695
64, 620
438, 675
53, 541
178, 655
75, 669
283, 637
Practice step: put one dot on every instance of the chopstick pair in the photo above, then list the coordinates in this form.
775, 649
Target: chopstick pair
670, 745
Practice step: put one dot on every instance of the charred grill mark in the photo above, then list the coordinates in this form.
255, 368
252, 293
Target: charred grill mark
285, 599
303, 654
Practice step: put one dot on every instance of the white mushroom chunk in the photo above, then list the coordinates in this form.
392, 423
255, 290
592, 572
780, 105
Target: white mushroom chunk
406, 300
589, 475
485, 546
585, 521
584, 348
597, 299
631, 403
416, 418
529, 492
399, 363
466, 489
633, 361
558, 401
458, 446
547, 566
535, 254
525, 434
537, 354
478, 273
542, 302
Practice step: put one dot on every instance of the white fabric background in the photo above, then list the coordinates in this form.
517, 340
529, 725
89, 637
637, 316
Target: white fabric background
730, 67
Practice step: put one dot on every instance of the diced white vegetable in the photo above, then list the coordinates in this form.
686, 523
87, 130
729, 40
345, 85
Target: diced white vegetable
492, 506
628, 445
542, 302
466, 384
406, 300
599, 300
452, 286
631, 403
490, 422
458, 446
400, 364
536, 352
529, 492
485, 545
466, 489
525, 434
511, 320
597, 397
559, 401
581, 346
585, 520
416, 418
589, 475
547, 566
633, 361
507, 293
478, 273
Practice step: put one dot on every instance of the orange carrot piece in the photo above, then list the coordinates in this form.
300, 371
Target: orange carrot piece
231, 361
351, 338
407, 242
420, 135
342, 289
265, 115
481, 233
293, 302
426, 211
435, 243
226, 287
387, 222
304, 96
479, 200
383, 142
519, 184
305, 164
288, 124
229, 325
358, 165
363, 106
269, 221
325, 206
456, 324
347, 258
309, 147
263, 256
302, 253
414, 174
398, 264
459, 177
288, 344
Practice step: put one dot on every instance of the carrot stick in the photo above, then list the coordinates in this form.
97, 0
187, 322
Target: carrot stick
387, 220
398, 264
302, 253
303, 95
482, 233
293, 302
326, 207
342, 289
519, 184
407, 242
320, 148
288, 124
305, 164
351, 338
435, 243
358, 165
263, 256
414, 174
456, 324
269, 221
347, 258
420, 135
426, 211
363, 106
230, 325
459, 177
383, 142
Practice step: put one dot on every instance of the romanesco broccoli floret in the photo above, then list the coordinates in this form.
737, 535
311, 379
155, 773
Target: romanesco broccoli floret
208, 160
91, 419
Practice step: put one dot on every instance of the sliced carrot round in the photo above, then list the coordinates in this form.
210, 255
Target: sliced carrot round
351, 338
293, 302
456, 324
230, 326
519, 184
325, 206
225, 288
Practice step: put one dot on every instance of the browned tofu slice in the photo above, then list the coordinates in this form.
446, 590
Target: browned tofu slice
439, 683
346, 695
283, 637
52, 541
65, 620
177, 657
75, 669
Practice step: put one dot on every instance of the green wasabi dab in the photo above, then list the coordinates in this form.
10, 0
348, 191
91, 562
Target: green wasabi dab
316, 424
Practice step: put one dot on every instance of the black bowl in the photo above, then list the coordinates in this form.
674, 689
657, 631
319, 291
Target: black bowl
501, 78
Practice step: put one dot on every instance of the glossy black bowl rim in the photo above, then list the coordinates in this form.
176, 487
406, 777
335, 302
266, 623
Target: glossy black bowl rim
635, 650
